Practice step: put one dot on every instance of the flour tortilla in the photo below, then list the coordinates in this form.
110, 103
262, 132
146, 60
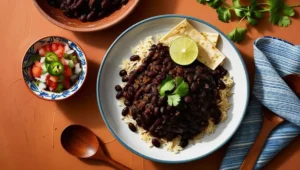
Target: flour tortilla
208, 52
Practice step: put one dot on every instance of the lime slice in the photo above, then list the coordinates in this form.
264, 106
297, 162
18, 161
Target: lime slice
184, 51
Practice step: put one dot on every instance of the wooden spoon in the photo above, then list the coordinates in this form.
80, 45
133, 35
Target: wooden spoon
83, 143
271, 120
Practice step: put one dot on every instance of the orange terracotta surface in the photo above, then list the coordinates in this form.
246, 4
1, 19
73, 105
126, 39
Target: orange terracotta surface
30, 127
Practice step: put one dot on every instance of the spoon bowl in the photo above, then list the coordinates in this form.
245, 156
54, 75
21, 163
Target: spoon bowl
81, 142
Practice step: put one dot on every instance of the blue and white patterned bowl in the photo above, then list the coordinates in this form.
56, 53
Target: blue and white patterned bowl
26, 64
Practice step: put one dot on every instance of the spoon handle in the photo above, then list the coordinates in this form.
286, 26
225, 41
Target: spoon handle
116, 164
257, 146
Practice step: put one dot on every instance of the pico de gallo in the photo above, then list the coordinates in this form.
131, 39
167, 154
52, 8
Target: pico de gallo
55, 67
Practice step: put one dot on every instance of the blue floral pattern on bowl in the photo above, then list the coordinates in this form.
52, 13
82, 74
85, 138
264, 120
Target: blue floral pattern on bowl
26, 64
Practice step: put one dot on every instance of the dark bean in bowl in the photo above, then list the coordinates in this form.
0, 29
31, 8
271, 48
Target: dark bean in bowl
87, 10
152, 112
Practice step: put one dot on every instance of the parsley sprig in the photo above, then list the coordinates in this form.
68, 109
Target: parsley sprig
168, 85
280, 14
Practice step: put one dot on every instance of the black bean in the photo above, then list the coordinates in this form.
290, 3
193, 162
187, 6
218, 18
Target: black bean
162, 110
125, 78
159, 46
106, 5
154, 90
132, 127
156, 111
127, 103
138, 95
69, 2
118, 88
123, 73
206, 86
134, 58
91, 16
83, 18
155, 142
169, 108
183, 143
119, 95
194, 87
125, 111
152, 74
221, 84
188, 99
154, 100
170, 136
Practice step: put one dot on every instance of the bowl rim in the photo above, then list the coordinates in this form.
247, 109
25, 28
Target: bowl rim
83, 29
56, 99
151, 19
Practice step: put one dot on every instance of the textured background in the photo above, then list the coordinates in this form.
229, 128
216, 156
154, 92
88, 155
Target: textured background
30, 128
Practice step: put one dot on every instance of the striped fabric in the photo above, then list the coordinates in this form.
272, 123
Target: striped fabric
273, 58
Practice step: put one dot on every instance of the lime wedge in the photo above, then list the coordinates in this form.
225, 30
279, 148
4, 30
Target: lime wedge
184, 51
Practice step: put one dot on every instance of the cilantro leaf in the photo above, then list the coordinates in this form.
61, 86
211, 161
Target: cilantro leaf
167, 85
236, 3
284, 21
182, 89
174, 100
238, 34
238, 12
178, 80
224, 14
252, 21
288, 11
274, 16
202, 1
258, 14
214, 3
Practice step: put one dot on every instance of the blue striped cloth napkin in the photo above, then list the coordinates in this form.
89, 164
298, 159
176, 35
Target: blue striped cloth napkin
274, 58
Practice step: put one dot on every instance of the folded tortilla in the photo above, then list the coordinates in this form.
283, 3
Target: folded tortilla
208, 53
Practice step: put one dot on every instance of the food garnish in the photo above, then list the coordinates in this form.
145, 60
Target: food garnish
55, 67
169, 84
184, 51
280, 13
172, 98
208, 54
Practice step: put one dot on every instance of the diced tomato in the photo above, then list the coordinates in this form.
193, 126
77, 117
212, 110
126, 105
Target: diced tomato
67, 71
53, 85
38, 64
47, 48
53, 78
60, 51
36, 71
66, 82
48, 80
50, 83
42, 52
54, 46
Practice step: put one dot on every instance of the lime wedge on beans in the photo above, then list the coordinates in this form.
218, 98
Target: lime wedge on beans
184, 51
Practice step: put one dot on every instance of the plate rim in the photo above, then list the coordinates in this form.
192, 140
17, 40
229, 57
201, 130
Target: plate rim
151, 19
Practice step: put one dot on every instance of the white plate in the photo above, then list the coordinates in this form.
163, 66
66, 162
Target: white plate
108, 77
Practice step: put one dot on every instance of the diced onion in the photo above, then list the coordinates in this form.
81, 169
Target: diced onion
42, 86
43, 77
67, 48
70, 52
42, 60
77, 68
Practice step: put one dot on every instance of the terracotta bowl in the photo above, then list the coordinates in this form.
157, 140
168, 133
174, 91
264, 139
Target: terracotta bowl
56, 16
27, 65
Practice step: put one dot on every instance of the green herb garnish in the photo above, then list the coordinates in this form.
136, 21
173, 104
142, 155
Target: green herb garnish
280, 13
169, 84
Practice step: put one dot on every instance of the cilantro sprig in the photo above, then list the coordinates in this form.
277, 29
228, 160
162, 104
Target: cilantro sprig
179, 87
280, 14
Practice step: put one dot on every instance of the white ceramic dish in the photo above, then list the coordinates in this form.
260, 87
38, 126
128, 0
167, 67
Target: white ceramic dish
111, 112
